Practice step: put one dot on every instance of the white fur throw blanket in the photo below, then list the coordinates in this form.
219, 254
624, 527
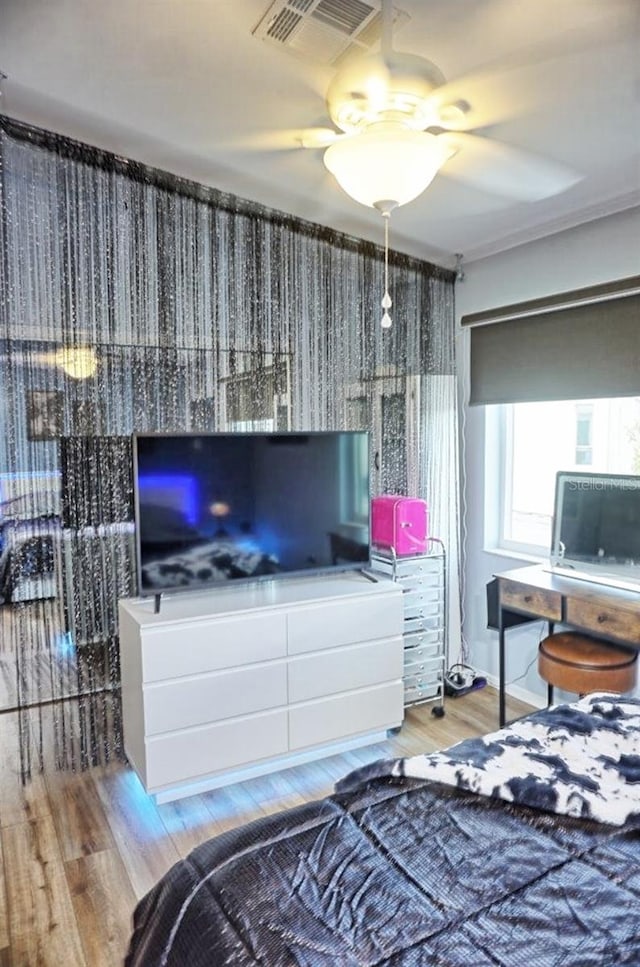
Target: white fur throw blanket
581, 759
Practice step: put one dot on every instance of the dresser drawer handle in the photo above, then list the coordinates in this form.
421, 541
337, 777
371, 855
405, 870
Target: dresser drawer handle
528, 598
602, 618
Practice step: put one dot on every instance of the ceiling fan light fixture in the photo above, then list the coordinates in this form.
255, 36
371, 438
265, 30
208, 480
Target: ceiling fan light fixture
387, 163
77, 362
376, 87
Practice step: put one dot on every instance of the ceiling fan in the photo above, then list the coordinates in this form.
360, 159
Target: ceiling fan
397, 125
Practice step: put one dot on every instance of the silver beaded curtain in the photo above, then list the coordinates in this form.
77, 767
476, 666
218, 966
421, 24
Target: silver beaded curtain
132, 300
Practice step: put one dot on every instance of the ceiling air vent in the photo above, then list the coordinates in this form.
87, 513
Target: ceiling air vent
344, 15
323, 30
283, 25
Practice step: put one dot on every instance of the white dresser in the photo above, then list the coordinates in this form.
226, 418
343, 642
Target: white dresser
228, 683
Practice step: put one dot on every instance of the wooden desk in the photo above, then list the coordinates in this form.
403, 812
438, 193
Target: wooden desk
608, 613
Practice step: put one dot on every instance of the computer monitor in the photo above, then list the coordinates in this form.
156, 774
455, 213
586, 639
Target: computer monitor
596, 527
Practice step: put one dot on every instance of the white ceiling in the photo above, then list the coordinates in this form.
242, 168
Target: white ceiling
183, 84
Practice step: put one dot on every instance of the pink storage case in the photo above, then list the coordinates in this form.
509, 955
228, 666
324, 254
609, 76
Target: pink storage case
400, 523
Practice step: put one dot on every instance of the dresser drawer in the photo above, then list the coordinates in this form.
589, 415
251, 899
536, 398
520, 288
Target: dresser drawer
341, 716
596, 617
334, 623
212, 644
344, 669
185, 702
535, 601
185, 756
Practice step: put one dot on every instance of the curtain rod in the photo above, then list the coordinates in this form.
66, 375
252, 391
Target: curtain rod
618, 289
142, 173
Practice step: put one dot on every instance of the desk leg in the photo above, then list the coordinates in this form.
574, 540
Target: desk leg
501, 704
550, 687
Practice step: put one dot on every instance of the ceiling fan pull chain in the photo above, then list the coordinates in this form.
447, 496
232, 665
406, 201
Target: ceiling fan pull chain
386, 298
387, 28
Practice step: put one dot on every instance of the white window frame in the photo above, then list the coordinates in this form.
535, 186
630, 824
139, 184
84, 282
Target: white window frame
498, 489
584, 410
353, 515
499, 464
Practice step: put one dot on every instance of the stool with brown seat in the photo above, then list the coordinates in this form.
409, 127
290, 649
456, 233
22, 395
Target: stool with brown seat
581, 664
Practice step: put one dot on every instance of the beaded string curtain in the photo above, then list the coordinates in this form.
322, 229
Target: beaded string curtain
132, 300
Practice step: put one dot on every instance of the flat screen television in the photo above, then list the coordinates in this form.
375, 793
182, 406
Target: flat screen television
214, 508
596, 527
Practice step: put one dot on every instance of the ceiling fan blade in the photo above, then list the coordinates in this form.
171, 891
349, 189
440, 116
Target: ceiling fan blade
503, 86
286, 139
504, 170
319, 137
490, 96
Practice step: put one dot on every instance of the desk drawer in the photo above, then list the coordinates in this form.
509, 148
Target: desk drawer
534, 601
600, 619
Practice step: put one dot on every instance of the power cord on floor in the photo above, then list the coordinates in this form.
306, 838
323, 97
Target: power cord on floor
460, 679
525, 672
532, 662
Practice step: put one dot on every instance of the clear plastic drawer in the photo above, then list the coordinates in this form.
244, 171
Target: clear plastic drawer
420, 623
420, 692
416, 606
422, 653
421, 593
402, 568
429, 639
432, 590
427, 670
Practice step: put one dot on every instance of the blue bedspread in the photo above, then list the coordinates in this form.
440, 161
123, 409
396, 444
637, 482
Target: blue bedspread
405, 872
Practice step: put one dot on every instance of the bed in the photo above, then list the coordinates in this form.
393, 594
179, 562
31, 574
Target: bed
28, 559
517, 848
174, 553
208, 561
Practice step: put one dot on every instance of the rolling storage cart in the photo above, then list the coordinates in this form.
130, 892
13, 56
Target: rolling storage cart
424, 581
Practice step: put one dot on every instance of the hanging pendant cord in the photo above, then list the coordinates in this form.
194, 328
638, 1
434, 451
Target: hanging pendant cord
386, 299
386, 255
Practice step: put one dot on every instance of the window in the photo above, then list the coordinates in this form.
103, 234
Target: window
584, 427
535, 440
389, 408
354, 461
256, 396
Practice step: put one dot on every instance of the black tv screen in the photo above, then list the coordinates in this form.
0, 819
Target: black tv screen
214, 508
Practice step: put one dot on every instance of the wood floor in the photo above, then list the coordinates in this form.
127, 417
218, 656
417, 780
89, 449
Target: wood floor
79, 849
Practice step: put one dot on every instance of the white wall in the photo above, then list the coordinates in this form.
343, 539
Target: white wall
598, 251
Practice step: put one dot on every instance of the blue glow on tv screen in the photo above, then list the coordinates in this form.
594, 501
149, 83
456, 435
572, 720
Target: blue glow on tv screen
213, 508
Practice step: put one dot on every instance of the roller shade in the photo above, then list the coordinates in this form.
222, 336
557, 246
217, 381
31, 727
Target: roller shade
582, 345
